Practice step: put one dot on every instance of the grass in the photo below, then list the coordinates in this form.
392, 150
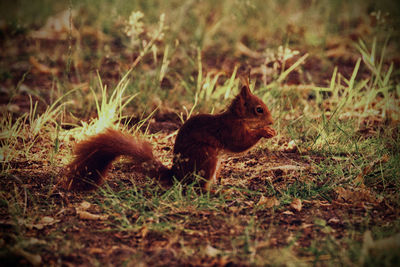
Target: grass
327, 70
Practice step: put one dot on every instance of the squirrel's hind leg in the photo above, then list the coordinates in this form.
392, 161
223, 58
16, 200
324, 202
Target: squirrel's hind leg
203, 161
208, 166
214, 174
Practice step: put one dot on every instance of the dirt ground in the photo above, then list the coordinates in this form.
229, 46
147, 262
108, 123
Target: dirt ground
245, 186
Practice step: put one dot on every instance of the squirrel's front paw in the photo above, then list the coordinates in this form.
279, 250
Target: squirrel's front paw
268, 132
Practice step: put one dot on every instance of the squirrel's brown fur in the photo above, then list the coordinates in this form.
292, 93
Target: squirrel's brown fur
199, 142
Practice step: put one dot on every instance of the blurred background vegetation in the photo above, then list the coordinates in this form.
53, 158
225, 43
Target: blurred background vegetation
311, 61
302, 56
321, 66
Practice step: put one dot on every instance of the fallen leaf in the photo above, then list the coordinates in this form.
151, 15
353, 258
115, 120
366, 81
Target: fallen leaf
288, 212
84, 205
90, 216
268, 202
296, 204
333, 220
211, 251
357, 195
45, 221
306, 225
143, 231
96, 250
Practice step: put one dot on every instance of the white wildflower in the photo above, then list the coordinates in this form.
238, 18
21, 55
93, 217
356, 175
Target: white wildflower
135, 26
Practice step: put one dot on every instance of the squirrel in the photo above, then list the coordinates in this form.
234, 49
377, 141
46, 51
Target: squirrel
198, 146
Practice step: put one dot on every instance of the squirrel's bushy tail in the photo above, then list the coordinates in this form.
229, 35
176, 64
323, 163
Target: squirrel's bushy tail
93, 158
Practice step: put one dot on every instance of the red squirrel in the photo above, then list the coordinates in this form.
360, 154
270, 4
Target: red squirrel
198, 146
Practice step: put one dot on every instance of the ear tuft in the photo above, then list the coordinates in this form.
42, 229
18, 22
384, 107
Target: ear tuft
245, 91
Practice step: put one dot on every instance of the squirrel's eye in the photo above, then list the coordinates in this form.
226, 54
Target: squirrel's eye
259, 110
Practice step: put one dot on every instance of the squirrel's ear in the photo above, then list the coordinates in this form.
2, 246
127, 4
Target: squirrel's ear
245, 91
